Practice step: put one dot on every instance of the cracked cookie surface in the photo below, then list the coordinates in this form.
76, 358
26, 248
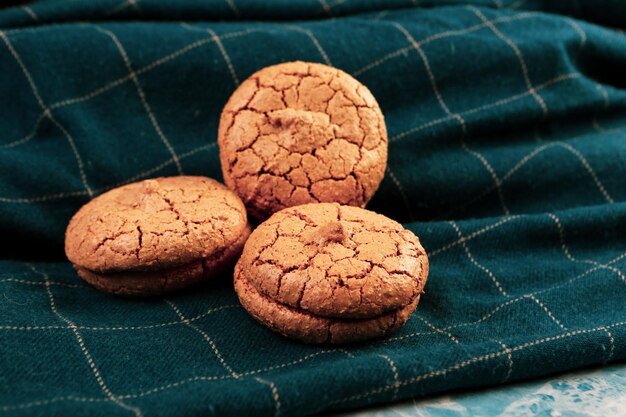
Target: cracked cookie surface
327, 264
298, 133
157, 235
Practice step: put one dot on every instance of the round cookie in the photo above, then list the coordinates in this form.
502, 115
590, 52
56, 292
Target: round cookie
156, 236
326, 273
298, 133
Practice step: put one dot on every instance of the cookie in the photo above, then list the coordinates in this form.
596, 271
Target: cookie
298, 133
156, 236
327, 273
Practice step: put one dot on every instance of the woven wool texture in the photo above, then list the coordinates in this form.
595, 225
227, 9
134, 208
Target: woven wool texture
506, 156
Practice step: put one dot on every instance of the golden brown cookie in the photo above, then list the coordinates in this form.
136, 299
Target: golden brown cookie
298, 133
158, 235
326, 273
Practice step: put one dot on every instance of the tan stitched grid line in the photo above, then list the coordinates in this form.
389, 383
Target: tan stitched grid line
28, 137
149, 67
325, 7
204, 335
216, 39
519, 55
612, 345
438, 330
396, 377
570, 257
136, 177
477, 359
92, 365
517, 4
275, 395
475, 262
523, 161
123, 6
205, 378
497, 103
233, 6
473, 235
215, 309
233, 34
509, 358
441, 35
548, 312
121, 328
31, 13
46, 110
405, 198
495, 280
316, 42
488, 106
380, 15
508, 302
605, 97
450, 114
48, 282
142, 97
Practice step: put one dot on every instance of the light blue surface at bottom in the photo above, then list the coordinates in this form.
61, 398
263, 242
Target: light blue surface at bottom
597, 392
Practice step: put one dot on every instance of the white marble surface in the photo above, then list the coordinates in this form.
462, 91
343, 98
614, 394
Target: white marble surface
596, 392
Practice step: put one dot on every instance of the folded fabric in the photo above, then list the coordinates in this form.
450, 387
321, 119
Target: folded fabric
507, 157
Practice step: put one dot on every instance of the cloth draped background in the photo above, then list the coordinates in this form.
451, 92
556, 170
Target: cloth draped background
507, 156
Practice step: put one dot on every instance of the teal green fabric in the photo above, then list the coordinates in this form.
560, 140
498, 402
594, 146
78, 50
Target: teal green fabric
507, 157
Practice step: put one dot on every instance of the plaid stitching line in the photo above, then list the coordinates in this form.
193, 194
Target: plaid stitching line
29, 11
204, 335
123, 6
396, 377
523, 161
47, 111
275, 395
511, 301
136, 177
204, 41
569, 256
215, 309
450, 114
142, 97
94, 369
488, 106
509, 358
476, 359
495, 280
441, 35
172, 385
126, 328
201, 378
149, 67
520, 58
475, 262
607, 335
218, 42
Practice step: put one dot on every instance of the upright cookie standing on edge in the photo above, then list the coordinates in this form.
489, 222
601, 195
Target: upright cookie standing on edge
298, 133
326, 273
156, 236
